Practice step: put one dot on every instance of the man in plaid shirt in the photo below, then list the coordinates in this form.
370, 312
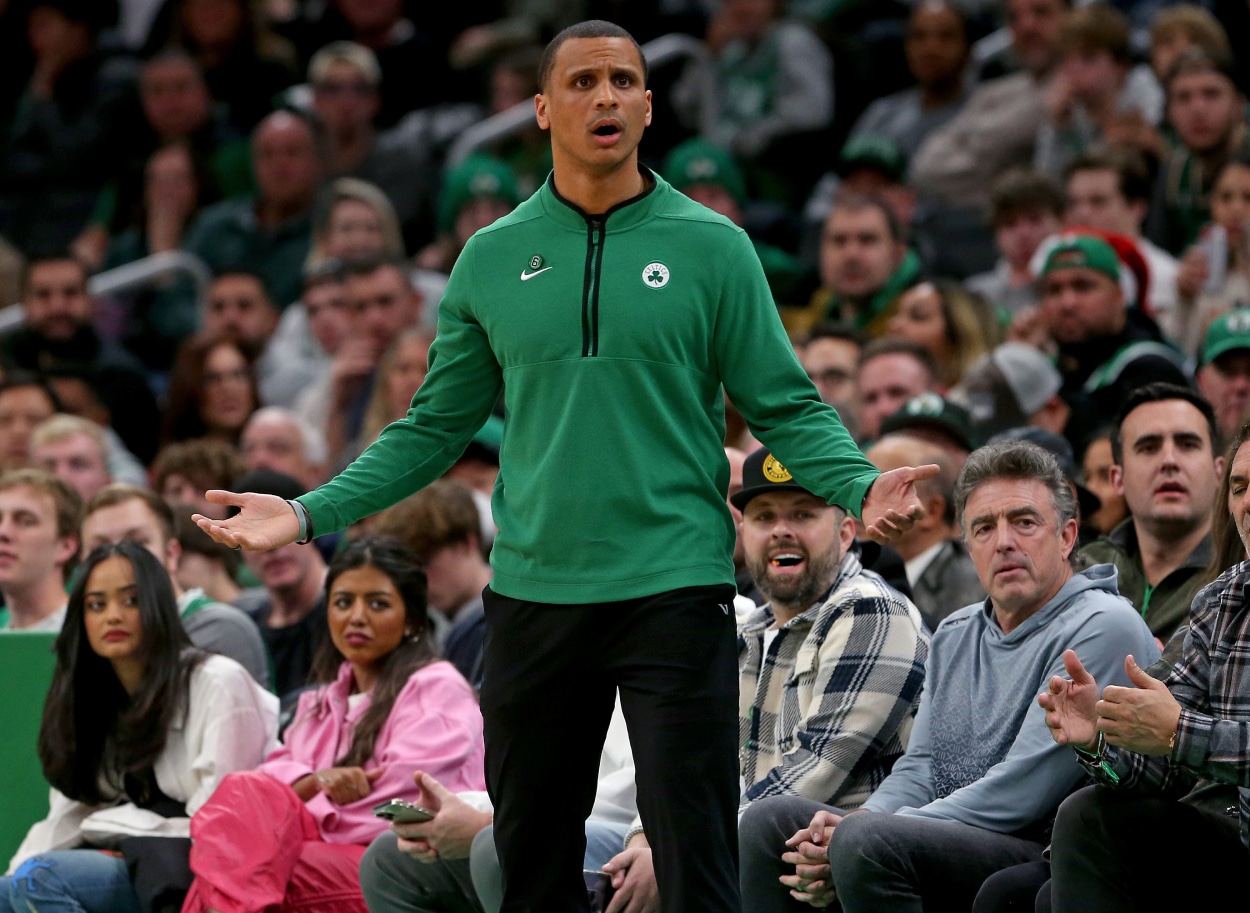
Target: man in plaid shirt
1147, 744
832, 666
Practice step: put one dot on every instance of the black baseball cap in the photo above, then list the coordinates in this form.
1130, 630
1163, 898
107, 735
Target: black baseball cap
929, 410
763, 473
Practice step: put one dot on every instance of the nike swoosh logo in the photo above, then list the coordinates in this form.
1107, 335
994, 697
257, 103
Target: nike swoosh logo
525, 277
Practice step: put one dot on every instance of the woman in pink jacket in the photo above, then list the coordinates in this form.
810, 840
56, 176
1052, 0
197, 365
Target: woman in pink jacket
290, 835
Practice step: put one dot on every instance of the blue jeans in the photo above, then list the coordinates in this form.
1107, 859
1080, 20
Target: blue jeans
69, 881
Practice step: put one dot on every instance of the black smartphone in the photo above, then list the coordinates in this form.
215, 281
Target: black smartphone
599, 888
402, 812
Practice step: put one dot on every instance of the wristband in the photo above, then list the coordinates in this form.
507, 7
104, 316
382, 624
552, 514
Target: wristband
305, 523
631, 834
1097, 758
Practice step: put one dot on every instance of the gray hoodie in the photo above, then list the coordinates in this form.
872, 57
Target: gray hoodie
980, 752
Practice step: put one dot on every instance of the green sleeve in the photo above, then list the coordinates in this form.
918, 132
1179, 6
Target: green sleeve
464, 382
765, 382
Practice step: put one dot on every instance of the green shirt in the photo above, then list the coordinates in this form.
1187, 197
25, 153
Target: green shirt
616, 338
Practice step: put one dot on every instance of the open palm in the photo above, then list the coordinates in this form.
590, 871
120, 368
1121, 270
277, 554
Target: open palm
1069, 704
263, 521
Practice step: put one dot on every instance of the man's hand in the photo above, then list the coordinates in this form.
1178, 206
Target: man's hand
892, 505
263, 522
633, 879
809, 854
352, 366
1192, 275
1069, 704
449, 834
345, 785
1142, 718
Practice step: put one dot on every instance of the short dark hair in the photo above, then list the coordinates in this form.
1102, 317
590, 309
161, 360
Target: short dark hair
371, 263
1158, 392
17, 379
857, 202
832, 329
120, 492
247, 273
591, 28
893, 345
58, 255
1131, 170
1025, 190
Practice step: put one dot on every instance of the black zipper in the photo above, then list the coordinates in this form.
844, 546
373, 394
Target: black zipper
595, 238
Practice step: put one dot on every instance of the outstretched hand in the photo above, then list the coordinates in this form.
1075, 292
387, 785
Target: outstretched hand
1070, 703
263, 521
893, 506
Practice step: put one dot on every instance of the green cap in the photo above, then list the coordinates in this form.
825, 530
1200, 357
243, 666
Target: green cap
871, 151
476, 177
1083, 252
697, 161
1227, 334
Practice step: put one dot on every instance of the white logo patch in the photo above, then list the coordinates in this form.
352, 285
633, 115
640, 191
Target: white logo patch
655, 275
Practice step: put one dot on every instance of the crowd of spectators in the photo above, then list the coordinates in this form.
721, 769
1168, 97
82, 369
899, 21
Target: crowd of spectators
988, 228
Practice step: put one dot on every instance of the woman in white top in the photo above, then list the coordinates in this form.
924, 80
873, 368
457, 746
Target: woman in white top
138, 729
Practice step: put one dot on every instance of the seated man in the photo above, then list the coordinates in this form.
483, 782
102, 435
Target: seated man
832, 665
938, 567
1146, 744
38, 541
73, 449
1167, 471
123, 511
981, 776
1224, 372
891, 371
456, 869
278, 439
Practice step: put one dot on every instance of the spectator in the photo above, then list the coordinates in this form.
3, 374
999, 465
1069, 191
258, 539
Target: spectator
414, 713
958, 327
26, 401
74, 450
935, 420
891, 371
1026, 207
400, 374
475, 193
1177, 28
1013, 386
345, 78
244, 63
821, 720
183, 471
327, 326
1168, 474
277, 439
1096, 464
121, 513
59, 150
440, 524
76, 388
997, 127
212, 392
382, 297
1224, 372
39, 517
238, 308
976, 788
205, 564
865, 265
939, 570
1105, 350
353, 219
290, 607
1095, 88
709, 175
58, 332
269, 233
1215, 274
136, 718
1208, 113
1111, 192
1140, 771
766, 87
453, 864
830, 356
937, 49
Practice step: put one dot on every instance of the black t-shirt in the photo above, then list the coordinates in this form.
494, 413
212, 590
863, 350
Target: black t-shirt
291, 648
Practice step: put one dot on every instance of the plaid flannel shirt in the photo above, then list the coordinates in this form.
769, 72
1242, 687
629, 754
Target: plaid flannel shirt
825, 713
1211, 682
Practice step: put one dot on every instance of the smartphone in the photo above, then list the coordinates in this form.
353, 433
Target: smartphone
402, 812
599, 889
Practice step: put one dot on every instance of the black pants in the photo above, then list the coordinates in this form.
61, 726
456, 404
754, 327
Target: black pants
1127, 851
551, 672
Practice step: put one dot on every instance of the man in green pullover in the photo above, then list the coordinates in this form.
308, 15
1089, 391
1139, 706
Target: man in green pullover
616, 313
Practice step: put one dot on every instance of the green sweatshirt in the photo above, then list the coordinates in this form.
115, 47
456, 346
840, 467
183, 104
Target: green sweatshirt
615, 337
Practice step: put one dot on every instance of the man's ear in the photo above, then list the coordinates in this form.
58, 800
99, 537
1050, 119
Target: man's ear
173, 556
1117, 478
540, 112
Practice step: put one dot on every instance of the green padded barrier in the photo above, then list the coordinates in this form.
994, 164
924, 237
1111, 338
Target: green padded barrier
26, 662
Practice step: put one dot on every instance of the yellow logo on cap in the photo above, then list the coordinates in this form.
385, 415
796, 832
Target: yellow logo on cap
774, 471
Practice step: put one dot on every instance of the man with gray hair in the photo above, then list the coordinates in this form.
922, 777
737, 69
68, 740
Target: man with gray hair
278, 439
981, 777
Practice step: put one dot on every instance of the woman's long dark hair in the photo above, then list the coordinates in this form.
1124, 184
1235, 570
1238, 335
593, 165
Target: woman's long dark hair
402, 566
91, 726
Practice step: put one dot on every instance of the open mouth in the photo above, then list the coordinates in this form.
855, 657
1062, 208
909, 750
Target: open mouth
1171, 488
607, 130
785, 560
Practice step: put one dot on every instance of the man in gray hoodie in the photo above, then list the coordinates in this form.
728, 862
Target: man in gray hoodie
981, 778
